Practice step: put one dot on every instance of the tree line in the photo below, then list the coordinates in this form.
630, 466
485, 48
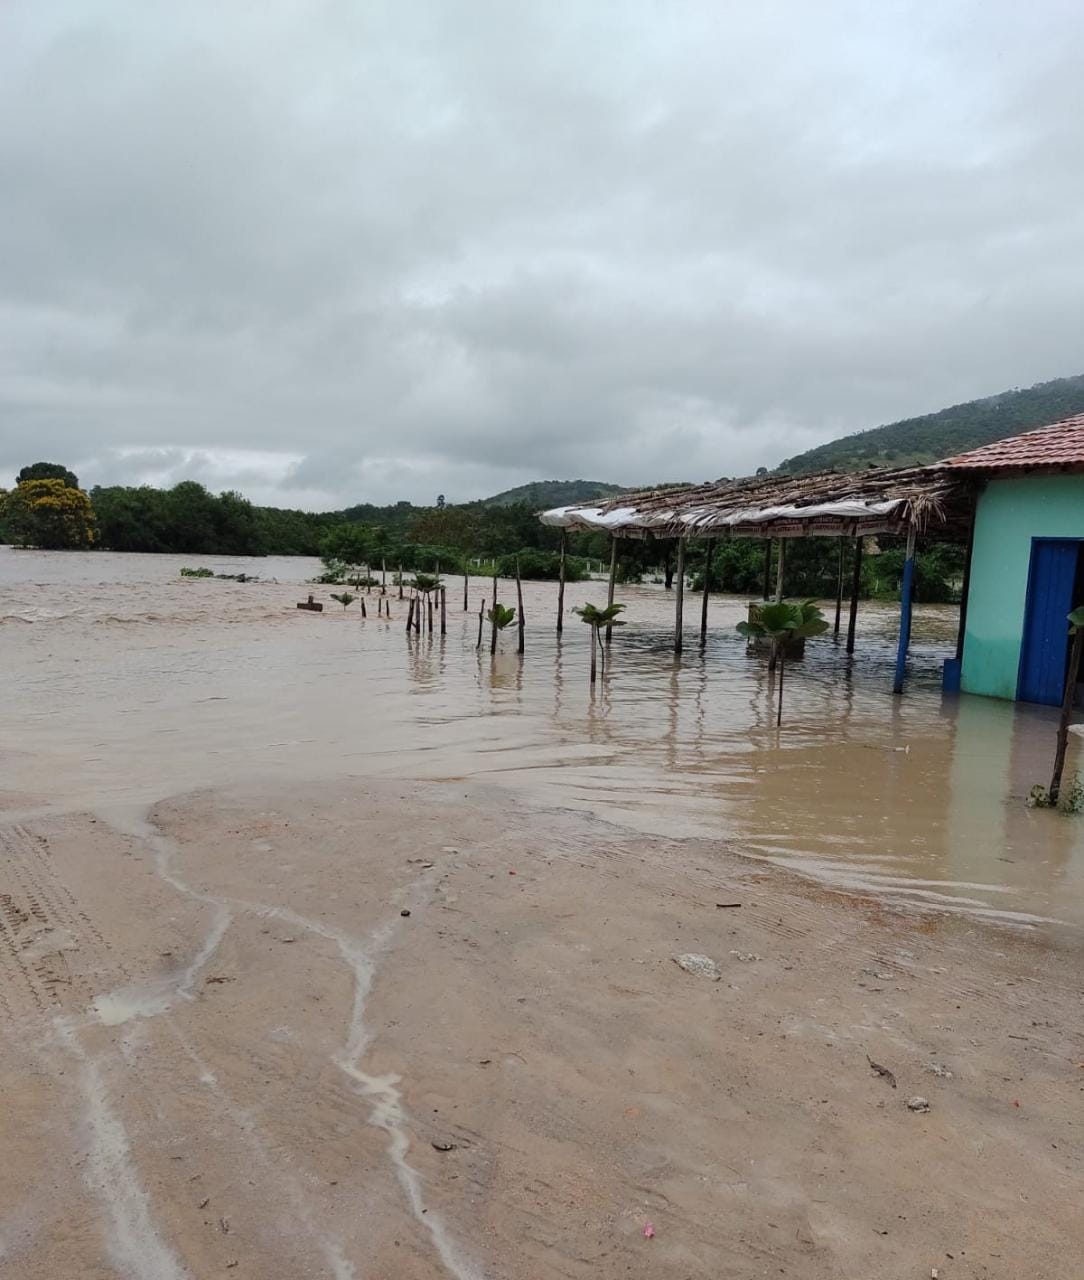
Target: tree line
48, 509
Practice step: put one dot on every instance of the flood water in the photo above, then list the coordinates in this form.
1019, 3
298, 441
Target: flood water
124, 681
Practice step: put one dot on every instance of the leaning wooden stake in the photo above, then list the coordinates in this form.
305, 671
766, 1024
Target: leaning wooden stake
493, 631
613, 579
1066, 712
594, 653
856, 583
481, 620
418, 614
519, 602
708, 549
410, 616
679, 597
561, 584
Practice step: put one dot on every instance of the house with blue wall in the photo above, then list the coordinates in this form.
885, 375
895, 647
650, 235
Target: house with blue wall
1026, 568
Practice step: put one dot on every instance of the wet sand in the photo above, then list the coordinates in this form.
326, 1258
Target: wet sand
227, 1051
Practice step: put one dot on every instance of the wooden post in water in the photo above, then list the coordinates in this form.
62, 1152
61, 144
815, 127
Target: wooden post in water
613, 579
594, 654
368, 578
779, 570
839, 589
400, 579
561, 584
481, 619
1071, 678
709, 547
443, 611
418, 613
907, 591
767, 568
519, 603
679, 599
856, 582
362, 603
429, 609
410, 616
466, 587
493, 631
383, 575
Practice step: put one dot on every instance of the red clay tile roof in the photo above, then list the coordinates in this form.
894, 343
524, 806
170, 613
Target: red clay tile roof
1059, 445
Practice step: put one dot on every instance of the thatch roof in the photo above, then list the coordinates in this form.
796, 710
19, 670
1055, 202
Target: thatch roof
831, 503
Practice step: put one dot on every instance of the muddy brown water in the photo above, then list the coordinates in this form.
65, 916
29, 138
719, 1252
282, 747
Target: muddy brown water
124, 682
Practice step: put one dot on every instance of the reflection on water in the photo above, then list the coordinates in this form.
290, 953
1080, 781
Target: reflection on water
125, 680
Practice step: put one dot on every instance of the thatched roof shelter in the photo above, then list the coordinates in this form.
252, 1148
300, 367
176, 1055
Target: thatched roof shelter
825, 503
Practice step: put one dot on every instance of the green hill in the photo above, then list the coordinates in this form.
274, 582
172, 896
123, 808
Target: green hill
543, 494
938, 435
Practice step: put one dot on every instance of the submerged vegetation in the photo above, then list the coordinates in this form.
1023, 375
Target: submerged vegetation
784, 622
597, 617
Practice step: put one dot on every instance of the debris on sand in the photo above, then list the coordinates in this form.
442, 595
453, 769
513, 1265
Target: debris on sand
404, 912
443, 1146
746, 957
883, 1072
649, 1231
699, 966
918, 1103
936, 1069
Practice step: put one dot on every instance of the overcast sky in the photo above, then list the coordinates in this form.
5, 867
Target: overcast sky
327, 251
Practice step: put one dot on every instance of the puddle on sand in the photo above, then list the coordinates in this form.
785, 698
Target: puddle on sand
915, 799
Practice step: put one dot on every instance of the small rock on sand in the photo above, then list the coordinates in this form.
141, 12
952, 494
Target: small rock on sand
917, 1103
699, 966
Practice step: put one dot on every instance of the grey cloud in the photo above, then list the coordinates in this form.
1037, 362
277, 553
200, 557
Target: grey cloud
328, 253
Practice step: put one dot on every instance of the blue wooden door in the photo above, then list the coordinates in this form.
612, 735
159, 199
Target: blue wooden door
1045, 645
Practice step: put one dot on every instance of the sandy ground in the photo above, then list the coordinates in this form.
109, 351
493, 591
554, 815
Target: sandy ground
228, 1051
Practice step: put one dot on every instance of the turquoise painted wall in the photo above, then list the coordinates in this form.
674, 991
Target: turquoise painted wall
1010, 513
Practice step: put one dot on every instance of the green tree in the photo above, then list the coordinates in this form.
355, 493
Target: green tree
596, 619
782, 622
48, 471
51, 515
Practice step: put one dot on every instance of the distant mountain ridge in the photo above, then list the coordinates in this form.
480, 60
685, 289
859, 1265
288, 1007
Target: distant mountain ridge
543, 494
953, 430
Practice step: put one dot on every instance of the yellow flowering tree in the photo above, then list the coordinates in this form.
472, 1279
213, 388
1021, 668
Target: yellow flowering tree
50, 514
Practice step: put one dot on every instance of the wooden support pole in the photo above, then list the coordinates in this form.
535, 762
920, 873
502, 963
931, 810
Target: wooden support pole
965, 590
362, 603
481, 619
561, 583
856, 583
839, 590
383, 575
400, 579
709, 547
429, 609
767, 569
907, 590
493, 631
613, 579
410, 616
443, 611
1071, 678
368, 578
466, 591
779, 570
418, 613
594, 654
519, 603
679, 597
